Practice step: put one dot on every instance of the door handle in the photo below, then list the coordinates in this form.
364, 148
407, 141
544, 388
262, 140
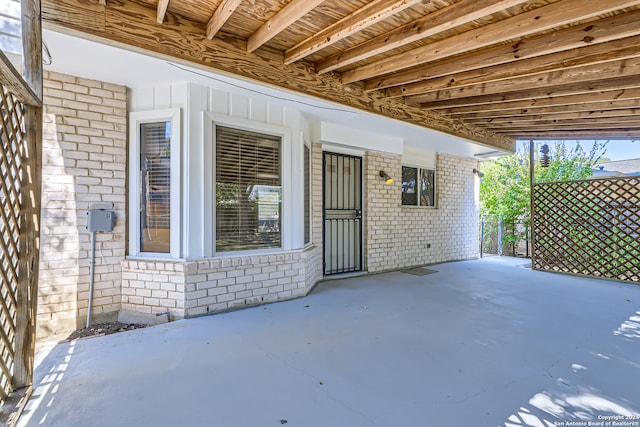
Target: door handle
358, 213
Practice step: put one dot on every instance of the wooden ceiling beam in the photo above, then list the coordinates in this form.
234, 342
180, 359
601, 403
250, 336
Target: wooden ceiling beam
162, 10
559, 110
451, 16
568, 39
221, 15
626, 122
132, 24
535, 93
628, 47
559, 117
587, 73
617, 95
280, 21
577, 134
362, 18
533, 21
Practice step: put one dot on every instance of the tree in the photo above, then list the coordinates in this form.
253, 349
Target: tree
505, 189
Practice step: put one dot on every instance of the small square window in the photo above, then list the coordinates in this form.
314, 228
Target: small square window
418, 186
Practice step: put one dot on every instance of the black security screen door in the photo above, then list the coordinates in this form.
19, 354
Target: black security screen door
342, 213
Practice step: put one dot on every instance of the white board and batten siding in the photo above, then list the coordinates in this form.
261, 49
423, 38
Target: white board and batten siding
197, 103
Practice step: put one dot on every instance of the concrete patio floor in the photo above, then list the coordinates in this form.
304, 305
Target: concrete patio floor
478, 343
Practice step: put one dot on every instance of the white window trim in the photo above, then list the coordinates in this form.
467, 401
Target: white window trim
435, 186
210, 120
309, 191
135, 120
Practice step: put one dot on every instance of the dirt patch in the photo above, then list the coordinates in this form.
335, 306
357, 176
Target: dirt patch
104, 329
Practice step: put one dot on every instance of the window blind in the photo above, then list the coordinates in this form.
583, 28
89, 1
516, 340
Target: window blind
248, 190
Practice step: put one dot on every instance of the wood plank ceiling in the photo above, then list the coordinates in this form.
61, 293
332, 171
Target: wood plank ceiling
512, 68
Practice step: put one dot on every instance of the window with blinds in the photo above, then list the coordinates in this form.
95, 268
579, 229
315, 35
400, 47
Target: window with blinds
155, 194
248, 190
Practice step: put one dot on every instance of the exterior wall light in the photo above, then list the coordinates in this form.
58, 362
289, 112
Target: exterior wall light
387, 179
477, 172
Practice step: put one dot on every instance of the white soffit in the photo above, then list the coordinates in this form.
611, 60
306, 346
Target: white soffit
83, 58
330, 133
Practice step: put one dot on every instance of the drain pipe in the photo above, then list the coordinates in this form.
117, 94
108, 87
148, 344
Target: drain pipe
91, 274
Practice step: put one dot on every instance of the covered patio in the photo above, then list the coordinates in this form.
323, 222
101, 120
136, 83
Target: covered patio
485, 343
411, 90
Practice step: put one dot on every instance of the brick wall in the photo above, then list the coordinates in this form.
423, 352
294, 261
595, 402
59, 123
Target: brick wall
398, 236
192, 288
83, 167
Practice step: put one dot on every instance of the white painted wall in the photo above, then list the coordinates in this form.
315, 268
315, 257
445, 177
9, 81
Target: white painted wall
350, 138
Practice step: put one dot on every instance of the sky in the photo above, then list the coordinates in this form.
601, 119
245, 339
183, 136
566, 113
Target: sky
617, 149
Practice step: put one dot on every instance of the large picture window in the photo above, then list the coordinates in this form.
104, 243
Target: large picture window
248, 190
418, 186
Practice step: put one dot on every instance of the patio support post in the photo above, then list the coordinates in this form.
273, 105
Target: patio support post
481, 236
500, 236
30, 171
532, 169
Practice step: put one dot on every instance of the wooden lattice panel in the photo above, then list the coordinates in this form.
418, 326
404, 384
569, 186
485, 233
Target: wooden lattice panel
11, 141
589, 228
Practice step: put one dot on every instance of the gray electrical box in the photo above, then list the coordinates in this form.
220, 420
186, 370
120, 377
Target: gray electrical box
101, 220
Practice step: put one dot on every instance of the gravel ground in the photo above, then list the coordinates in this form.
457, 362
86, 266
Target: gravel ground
104, 329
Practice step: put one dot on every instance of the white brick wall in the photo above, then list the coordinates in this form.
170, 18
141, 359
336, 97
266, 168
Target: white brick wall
192, 288
398, 237
83, 167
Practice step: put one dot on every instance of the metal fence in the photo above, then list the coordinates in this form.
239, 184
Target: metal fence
499, 237
588, 228
490, 235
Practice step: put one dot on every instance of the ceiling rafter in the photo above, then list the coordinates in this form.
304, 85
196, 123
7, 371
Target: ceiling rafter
487, 70
362, 18
279, 22
527, 68
576, 134
557, 117
523, 113
527, 23
585, 124
222, 13
132, 23
162, 10
532, 104
435, 22
568, 89
619, 38
588, 35
586, 73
